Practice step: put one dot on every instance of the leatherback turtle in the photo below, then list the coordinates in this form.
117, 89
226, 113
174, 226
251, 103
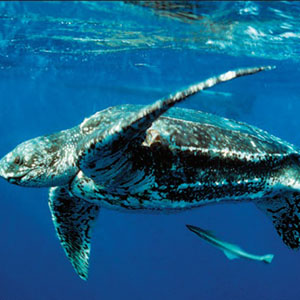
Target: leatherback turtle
157, 158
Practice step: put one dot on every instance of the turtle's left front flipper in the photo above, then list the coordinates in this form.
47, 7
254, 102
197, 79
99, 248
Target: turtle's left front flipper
101, 153
73, 220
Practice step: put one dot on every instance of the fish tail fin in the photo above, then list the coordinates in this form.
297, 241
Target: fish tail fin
267, 258
284, 211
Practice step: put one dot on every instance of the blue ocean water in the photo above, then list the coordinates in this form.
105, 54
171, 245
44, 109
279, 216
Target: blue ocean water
62, 62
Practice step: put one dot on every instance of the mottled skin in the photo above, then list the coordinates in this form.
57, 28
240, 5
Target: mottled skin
180, 164
157, 158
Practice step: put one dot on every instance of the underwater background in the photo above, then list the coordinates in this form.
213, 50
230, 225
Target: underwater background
63, 61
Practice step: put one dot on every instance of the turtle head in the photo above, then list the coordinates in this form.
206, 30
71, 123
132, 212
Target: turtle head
37, 162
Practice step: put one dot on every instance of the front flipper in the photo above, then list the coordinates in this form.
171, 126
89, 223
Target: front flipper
101, 152
73, 219
284, 211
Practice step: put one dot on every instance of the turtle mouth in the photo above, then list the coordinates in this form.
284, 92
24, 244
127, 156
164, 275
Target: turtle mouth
16, 179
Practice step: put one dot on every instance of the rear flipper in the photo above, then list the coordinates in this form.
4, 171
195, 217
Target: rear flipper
284, 211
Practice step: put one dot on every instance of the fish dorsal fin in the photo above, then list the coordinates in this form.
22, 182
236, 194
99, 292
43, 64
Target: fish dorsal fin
284, 211
102, 151
73, 219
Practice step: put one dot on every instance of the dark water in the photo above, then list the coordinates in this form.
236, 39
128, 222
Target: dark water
61, 62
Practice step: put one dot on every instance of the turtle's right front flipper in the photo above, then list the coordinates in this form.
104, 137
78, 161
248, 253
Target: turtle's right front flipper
73, 220
103, 151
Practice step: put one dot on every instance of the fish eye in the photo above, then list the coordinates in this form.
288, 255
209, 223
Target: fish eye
18, 160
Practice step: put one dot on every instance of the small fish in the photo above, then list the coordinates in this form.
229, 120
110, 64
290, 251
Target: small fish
230, 250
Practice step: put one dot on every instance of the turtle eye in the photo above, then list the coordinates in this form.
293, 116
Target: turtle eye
18, 160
